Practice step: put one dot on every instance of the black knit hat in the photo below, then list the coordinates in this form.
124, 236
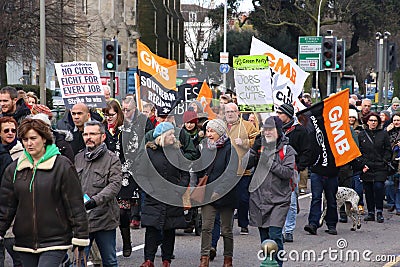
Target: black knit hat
287, 109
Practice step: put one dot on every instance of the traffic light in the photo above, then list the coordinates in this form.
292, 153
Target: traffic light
110, 55
329, 53
340, 55
391, 57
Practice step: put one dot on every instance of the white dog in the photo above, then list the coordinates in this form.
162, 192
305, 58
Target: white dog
350, 198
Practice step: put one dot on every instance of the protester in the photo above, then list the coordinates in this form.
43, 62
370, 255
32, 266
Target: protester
394, 107
8, 135
220, 162
242, 133
299, 140
391, 184
190, 125
11, 106
100, 175
158, 216
270, 190
31, 99
365, 110
57, 219
376, 152
150, 111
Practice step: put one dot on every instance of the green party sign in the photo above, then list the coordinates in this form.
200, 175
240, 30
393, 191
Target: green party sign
247, 62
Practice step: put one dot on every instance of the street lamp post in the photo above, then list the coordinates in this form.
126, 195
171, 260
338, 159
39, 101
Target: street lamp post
318, 26
225, 33
42, 74
379, 45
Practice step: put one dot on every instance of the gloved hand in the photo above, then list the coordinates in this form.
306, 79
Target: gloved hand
90, 204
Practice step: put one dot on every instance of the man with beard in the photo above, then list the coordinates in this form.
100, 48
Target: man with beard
100, 175
11, 106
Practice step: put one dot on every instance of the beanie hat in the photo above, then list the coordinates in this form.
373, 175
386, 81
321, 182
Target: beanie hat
274, 122
387, 113
395, 100
190, 116
286, 109
199, 106
218, 126
162, 128
353, 113
38, 108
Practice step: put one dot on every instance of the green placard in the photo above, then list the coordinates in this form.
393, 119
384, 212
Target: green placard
257, 62
264, 108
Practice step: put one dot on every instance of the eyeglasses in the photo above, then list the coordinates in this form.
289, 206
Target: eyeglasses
110, 115
90, 134
127, 110
8, 130
373, 120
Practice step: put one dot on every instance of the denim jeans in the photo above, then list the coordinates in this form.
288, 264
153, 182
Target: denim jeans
274, 233
106, 242
244, 196
357, 185
390, 191
8, 243
329, 185
290, 222
51, 258
374, 195
216, 232
398, 199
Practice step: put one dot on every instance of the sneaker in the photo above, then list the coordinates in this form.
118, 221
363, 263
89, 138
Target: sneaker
370, 217
379, 217
361, 209
312, 229
244, 231
135, 224
302, 192
213, 253
289, 237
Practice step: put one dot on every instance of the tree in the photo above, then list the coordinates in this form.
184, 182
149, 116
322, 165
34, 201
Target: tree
66, 31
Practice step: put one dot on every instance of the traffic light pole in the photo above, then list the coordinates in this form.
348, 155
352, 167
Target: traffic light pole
112, 83
380, 71
328, 82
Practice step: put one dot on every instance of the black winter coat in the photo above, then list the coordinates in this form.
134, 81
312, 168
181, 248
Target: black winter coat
375, 154
164, 185
223, 175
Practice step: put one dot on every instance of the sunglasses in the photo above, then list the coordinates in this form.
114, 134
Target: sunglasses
8, 130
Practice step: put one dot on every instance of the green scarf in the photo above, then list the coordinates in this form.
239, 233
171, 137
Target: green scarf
51, 150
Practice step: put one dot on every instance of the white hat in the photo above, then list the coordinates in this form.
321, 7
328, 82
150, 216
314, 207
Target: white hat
353, 113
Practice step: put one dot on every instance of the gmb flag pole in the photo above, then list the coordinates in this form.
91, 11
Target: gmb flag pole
331, 135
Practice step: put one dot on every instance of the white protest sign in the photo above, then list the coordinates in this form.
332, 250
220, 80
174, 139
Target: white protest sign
253, 87
80, 83
286, 76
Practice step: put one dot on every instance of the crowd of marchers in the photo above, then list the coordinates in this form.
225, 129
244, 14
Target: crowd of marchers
68, 185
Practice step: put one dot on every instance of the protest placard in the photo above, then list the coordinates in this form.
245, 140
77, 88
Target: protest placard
80, 83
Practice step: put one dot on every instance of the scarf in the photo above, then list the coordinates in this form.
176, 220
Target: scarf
51, 150
11, 145
217, 144
96, 153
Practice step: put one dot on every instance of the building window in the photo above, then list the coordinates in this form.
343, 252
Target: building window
192, 16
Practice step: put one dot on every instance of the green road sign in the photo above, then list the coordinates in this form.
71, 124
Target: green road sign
309, 57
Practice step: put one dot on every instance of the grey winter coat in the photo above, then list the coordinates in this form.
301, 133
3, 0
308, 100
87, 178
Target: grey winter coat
270, 189
101, 180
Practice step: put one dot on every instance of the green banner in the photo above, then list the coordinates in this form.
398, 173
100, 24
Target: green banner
257, 62
263, 108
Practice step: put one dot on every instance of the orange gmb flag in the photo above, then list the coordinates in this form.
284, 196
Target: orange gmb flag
163, 70
205, 96
336, 122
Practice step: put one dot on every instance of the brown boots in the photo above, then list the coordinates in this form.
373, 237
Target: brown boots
227, 261
204, 261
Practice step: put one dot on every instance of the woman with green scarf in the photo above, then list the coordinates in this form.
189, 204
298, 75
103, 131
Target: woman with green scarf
41, 190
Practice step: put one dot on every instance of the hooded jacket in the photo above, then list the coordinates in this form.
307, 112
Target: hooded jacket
46, 201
